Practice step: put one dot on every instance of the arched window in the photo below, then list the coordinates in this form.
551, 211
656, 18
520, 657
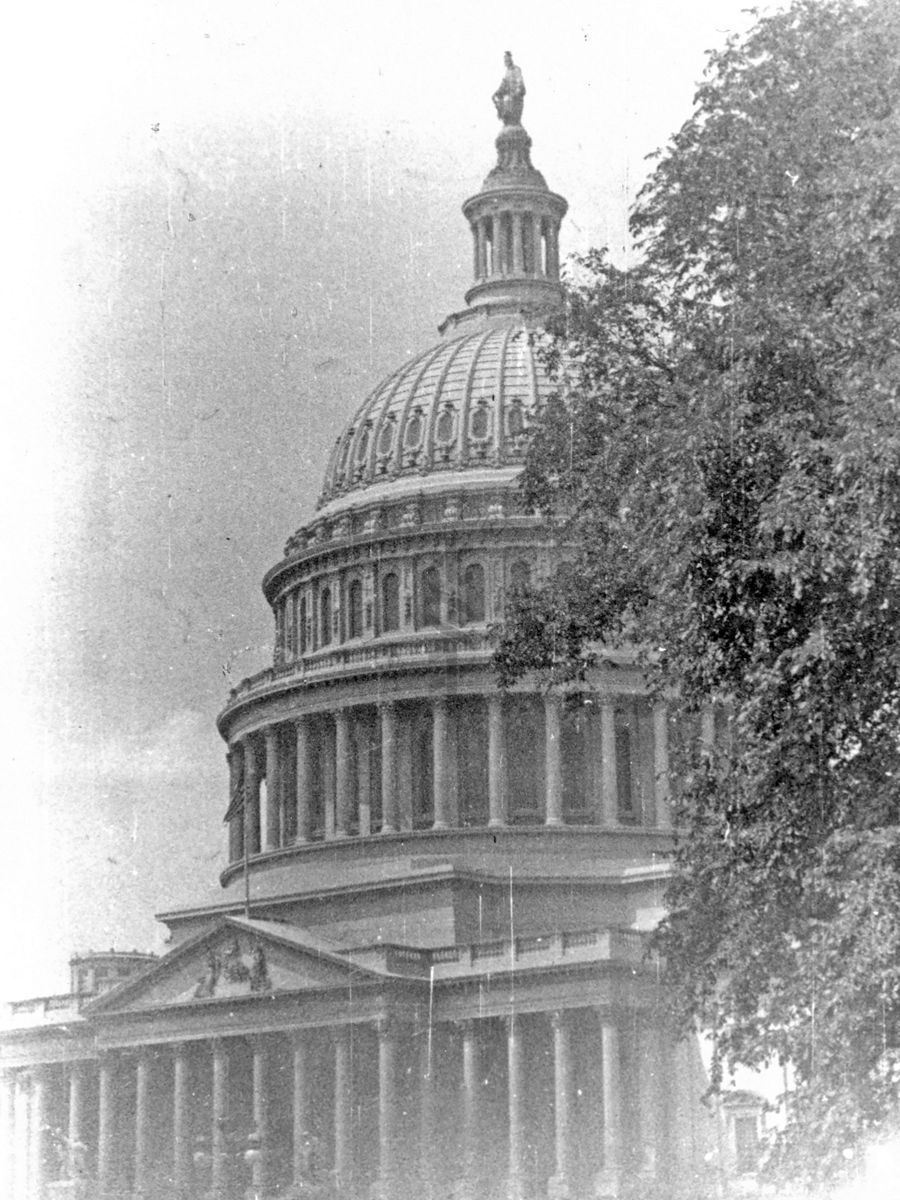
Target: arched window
390, 602
355, 607
295, 625
519, 576
324, 616
430, 596
473, 594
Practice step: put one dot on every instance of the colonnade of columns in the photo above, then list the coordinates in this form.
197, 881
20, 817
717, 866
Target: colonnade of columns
318, 773
516, 242
423, 1105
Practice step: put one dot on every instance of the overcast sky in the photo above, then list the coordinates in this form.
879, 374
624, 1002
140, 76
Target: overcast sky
226, 222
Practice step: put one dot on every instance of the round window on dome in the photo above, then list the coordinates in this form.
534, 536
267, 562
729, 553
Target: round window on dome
414, 430
480, 424
445, 427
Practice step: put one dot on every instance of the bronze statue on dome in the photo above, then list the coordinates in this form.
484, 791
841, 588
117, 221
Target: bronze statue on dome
509, 98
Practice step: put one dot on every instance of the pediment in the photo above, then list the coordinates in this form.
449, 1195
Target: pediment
235, 960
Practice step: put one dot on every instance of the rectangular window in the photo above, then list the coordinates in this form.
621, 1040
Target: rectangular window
623, 774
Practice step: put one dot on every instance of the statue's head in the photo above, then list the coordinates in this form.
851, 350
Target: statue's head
507, 58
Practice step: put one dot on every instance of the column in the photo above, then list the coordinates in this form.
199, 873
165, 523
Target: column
251, 797
236, 821
343, 1145
496, 762
343, 774
328, 781
142, 1125
106, 1134
37, 1145
561, 1182
363, 778
553, 739
533, 239
427, 1130
440, 774
405, 767
7, 1133
480, 264
220, 1120
609, 1179
303, 1164
273, 789
388, 1109
552, 249
515, 1083
518, 265
304, 779
661, 765
652, 1084
390, 819
181, 1123
75, 1131
260, 1172
469, 1124
610, 783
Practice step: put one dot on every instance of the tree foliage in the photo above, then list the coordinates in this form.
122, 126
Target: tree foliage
723, 456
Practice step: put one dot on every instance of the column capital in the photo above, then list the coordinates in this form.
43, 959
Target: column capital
467, 1026
561, 1018
512, 1022
259, 1043
390, 1027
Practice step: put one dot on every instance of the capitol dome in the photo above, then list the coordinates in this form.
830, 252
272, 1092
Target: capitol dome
464, 403
467, 402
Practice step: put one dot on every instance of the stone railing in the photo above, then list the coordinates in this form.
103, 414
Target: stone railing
39, 1009
615, 944
375, 655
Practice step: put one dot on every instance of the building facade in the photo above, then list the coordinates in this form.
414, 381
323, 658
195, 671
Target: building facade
425, 971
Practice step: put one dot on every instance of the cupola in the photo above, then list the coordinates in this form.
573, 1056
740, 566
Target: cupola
515, 221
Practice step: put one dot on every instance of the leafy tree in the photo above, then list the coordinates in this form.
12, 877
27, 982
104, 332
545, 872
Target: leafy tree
722, 455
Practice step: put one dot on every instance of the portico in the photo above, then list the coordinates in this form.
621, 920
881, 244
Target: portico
382, 1095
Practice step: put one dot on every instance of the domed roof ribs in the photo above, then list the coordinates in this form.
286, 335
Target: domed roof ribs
439, 400
500, 397
388, 390
400, 440
466, 406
